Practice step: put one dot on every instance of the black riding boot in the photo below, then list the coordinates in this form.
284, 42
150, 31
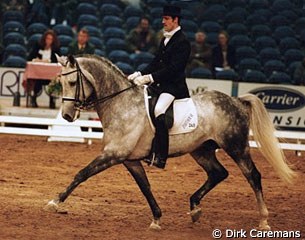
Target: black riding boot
159, 152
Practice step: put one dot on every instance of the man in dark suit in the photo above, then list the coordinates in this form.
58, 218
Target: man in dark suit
166, 74
82, 45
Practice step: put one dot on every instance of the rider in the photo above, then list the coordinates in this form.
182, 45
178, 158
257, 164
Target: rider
166, 73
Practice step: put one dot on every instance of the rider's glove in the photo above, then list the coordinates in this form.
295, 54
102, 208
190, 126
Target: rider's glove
133, 76
142, 80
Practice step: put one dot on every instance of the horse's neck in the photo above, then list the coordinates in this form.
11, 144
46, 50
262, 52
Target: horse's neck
108, 81
114, 110
106, 78
110, 86
115, 104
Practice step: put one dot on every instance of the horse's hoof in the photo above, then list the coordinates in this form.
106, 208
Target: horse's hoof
195, 214
52, 206
155, 225
264, 227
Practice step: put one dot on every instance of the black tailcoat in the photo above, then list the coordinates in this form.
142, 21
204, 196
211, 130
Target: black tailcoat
168, 66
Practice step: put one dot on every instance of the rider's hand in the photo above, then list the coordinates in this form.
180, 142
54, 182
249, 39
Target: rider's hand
133, 76
142, 80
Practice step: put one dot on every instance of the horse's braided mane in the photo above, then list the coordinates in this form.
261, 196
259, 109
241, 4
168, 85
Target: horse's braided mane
106, 61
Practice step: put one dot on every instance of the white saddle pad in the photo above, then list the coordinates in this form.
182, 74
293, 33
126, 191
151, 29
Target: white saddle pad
185, 115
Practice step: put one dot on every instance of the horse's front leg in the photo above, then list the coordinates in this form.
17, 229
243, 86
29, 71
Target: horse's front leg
98, 165
137, 171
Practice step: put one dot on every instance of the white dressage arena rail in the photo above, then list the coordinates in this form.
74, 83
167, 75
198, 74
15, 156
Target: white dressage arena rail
57, 129
64, 131
296, 141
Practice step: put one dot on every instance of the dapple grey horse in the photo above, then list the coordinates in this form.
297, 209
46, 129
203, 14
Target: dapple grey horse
223, 122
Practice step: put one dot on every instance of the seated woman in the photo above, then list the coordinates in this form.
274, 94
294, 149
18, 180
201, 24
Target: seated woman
223, 54
44, 51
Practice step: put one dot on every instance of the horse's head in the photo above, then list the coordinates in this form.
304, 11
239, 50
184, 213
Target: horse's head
76, 87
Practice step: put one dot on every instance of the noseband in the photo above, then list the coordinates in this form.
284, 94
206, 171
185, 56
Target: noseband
87, 102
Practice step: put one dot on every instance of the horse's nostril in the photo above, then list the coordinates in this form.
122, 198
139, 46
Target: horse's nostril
68, 117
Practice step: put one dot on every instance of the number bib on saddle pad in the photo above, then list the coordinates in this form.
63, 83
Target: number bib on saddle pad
181, 117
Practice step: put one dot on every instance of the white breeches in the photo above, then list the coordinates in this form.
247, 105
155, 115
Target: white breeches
163, 103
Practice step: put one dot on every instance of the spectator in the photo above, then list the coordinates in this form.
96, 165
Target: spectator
82, 45
17, 5
64, 12
299, 74
201, 53
142, 38
44, 51
39, 11
223, 53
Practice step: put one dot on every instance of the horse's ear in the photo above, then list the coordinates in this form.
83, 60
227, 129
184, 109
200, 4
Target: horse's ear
71, 60
62, 60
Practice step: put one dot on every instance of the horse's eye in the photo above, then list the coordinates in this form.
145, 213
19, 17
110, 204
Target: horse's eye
72, 84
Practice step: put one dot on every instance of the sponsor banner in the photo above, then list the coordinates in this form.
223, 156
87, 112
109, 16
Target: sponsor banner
199, 85
11, 81
285, 103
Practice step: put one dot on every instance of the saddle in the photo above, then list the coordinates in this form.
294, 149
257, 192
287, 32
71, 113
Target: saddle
180, 117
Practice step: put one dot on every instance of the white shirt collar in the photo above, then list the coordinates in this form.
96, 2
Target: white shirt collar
171, 33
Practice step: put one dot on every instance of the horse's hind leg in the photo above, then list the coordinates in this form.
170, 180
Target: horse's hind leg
100, 164
249, 170
206, 158
137, 171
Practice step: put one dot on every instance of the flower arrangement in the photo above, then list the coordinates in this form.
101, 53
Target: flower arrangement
54, 88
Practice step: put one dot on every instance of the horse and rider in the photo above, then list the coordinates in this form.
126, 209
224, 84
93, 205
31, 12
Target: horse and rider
223, 122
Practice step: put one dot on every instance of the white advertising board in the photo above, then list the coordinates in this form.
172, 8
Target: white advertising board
285, 103
200, 85
10, 81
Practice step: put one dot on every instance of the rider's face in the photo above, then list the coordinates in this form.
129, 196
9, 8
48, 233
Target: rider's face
169, 23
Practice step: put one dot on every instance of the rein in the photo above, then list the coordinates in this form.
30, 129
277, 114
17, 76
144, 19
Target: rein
87, 103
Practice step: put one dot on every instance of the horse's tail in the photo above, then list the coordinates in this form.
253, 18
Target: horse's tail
263, 134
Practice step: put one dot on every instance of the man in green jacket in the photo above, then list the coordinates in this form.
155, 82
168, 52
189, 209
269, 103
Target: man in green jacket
82, 45
142, 38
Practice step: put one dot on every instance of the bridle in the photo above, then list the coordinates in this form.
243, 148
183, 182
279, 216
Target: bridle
90, 101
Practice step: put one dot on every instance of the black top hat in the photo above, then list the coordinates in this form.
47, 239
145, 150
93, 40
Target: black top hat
173, 11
